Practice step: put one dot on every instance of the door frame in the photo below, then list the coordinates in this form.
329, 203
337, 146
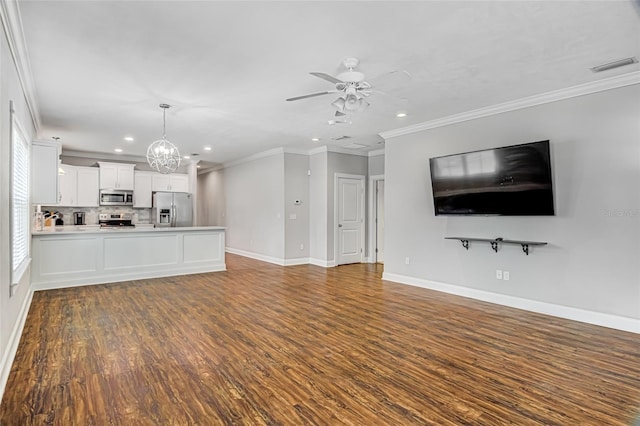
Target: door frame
361, 201
373, 181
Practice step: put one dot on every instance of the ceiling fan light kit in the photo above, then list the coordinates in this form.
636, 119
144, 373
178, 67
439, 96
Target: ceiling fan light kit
352, 86
162, 155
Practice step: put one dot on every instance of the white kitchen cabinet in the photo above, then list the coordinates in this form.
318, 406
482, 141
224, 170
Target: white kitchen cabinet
179, 183
44, 172
88, 192
116, 176
68, 183
160, 182
78, 186
174, 182
142, 190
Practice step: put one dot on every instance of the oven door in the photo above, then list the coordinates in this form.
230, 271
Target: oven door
116, 198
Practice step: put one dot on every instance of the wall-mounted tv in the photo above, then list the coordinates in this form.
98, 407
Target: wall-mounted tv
507, 181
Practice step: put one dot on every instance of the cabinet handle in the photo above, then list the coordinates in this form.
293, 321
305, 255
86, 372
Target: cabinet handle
59, 197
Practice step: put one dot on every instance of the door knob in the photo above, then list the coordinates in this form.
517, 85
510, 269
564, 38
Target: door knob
339, 225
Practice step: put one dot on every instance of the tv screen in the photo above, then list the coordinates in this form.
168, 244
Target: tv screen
510, 181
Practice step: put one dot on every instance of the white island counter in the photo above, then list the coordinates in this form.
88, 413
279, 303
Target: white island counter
75, 256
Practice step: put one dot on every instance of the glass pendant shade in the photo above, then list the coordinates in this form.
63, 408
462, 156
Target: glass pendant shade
162, 155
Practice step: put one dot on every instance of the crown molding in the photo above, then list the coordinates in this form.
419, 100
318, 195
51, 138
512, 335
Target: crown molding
544, 98
253, 157
211, 169
104, 156
12, 24
318, 150
298, 151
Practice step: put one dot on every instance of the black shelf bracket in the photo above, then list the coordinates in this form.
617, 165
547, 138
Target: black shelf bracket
495, 243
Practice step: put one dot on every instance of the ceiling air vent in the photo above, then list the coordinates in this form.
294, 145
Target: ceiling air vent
615, 64
355, 146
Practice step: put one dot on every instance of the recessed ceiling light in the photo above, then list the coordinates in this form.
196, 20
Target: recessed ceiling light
315, 139
198, 167
186, 157
401, 114
207, 148
128, 138
118, 150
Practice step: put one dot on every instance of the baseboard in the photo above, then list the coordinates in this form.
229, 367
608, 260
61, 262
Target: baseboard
297, 261
280, 261
323, 263
590, 317
14, 339
257, 256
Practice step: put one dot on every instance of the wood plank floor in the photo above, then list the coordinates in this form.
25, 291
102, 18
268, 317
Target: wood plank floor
263, 344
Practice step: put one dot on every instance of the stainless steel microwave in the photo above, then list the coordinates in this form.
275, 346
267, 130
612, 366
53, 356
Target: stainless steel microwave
116, 197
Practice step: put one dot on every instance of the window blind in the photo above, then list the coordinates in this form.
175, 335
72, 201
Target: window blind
19, 198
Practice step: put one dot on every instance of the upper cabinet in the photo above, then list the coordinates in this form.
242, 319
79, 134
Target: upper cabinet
142, 191
44, 172
174, 182
116, 176
68, 182
88, 183
78, 186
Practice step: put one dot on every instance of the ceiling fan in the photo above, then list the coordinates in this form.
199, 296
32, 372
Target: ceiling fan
350, 84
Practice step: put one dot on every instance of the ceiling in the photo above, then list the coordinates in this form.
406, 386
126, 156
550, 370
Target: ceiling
101, 68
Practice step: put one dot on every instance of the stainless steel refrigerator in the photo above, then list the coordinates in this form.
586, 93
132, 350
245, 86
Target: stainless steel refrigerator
172, 209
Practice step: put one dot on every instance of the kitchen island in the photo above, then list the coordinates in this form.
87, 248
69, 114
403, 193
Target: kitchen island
76, 256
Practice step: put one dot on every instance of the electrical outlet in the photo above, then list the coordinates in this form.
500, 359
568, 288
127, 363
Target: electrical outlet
301, 246
505, 275
407, 260
498, 274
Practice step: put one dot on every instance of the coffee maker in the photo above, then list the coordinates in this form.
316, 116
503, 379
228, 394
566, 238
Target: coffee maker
78, 218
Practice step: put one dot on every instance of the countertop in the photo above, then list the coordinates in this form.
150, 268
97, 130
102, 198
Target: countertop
94, 229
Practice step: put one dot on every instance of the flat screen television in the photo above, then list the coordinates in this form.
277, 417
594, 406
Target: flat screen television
508, 181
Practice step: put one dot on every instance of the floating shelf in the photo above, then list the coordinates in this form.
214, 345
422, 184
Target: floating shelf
496, 241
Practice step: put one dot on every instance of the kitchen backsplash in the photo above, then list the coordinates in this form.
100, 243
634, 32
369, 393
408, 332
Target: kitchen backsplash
91, 213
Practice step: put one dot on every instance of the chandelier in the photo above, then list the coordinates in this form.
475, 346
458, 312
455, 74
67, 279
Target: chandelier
162, 155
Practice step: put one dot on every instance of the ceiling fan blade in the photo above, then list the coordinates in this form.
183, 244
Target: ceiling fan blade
339, 114
310, 95
327, 77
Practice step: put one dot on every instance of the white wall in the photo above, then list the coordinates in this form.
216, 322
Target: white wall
12, 308
376, 165
254, 194
211, 200
591, 262
296, 188
318, 187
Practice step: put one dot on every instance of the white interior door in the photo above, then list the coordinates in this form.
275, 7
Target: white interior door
350, 219
379, 221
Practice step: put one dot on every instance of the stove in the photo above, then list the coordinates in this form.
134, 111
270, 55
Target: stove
115, 220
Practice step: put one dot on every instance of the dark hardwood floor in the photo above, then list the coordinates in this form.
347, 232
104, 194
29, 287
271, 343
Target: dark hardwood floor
263, 344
